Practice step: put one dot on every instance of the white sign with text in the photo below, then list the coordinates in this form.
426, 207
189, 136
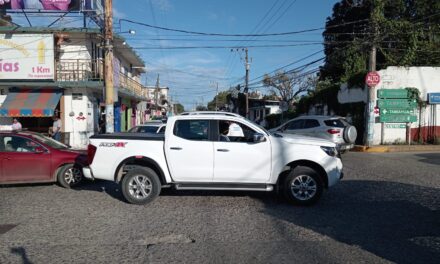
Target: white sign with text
26, 57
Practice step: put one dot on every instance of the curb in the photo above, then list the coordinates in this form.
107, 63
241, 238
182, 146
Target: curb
395, 148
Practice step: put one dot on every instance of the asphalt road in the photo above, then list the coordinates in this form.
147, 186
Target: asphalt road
387, 209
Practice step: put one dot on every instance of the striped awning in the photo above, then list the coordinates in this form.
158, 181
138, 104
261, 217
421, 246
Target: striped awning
36, 102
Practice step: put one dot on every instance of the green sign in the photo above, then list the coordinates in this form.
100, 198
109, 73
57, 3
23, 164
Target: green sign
392, 93
385, 111
397, 103
395, 126
398, 118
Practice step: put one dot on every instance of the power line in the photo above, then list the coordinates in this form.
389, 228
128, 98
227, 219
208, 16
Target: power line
240, 35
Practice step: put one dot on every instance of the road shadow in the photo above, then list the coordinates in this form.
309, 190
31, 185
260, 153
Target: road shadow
398, 222
21, 252
114, 190
107, 187
431, 158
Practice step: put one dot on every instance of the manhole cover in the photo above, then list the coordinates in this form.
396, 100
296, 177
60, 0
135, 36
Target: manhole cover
5, 228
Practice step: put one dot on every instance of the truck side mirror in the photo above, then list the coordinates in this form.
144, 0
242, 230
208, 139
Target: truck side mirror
258, 137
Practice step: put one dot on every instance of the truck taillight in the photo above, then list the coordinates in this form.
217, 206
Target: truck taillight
91, 150
334, 131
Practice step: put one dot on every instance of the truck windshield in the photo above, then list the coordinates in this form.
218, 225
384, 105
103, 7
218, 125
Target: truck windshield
262, 128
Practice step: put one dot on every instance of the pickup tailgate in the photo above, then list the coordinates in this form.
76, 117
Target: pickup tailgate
113, 149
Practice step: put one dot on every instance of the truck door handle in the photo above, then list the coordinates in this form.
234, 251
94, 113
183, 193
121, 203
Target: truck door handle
223, 150
176, 148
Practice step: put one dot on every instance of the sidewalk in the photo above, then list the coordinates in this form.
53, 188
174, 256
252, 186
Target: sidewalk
396, 148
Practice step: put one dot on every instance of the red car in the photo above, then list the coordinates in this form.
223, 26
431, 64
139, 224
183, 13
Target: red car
28, 157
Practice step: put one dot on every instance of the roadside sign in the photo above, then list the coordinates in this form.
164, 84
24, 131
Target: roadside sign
393, 93
434, 98
372, 79
397, 103
385, 111
395, 126
398, 118
376, 111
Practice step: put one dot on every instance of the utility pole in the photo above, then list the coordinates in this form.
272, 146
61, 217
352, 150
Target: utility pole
371, 100
246, 87
216, 98
156, 94
108, 65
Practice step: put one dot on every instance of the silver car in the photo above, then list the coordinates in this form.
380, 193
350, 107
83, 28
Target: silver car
333, 128
149, 127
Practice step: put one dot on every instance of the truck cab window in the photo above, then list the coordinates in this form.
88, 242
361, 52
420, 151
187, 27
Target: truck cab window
234, 132
192, 129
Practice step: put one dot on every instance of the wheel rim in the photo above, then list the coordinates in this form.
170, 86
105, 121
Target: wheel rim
72, 175
303, 187
140, 187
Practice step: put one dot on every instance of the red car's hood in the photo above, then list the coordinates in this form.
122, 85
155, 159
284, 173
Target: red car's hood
75, 151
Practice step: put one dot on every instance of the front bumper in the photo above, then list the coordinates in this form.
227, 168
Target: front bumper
88, 174
334, 171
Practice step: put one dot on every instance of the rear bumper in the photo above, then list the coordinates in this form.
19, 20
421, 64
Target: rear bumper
345, 146
88, 174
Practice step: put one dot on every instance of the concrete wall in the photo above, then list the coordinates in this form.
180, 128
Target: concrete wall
426, 79
352, 94
78, 48
79, 127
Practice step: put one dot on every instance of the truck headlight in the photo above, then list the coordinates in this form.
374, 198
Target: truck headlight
331, 151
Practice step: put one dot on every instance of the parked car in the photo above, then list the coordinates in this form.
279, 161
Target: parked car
29, 157
333, 128
214, 151
149, 127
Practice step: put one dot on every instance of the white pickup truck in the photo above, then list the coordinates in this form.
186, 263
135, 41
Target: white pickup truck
214, 151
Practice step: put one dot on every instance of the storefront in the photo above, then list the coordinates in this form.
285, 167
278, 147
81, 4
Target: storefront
33, 107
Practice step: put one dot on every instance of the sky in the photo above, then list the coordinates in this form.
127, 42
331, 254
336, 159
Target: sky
192, 74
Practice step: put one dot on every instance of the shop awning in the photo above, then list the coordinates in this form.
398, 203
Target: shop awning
36, 102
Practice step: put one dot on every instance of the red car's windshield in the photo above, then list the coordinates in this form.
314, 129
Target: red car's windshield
49, 141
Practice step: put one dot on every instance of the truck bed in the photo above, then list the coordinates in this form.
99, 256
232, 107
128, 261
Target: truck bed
130, 136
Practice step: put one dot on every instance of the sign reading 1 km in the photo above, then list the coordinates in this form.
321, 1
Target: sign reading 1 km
372, 79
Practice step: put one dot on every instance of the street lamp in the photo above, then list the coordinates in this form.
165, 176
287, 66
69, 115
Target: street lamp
130, 31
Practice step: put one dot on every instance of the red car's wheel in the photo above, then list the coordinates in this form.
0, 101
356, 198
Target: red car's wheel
69, 175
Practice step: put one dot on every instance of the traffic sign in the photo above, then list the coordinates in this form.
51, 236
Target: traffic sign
395, 126
372, 79
386, 111
398, 118
393, 93
434, 98
397, 103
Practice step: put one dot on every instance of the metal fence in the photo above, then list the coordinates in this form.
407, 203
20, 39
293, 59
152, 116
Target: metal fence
93, 70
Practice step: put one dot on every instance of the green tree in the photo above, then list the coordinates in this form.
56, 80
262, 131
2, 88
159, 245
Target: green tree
178, 108
201, 108
222, 100
407, 34
288, 85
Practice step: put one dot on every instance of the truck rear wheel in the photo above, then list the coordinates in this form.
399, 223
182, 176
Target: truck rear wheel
303, 186
140, 185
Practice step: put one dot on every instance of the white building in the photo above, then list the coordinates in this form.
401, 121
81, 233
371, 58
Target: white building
73, 76
426, 80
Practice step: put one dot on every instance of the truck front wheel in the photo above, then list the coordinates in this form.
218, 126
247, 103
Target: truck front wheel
303, 186
140, 186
